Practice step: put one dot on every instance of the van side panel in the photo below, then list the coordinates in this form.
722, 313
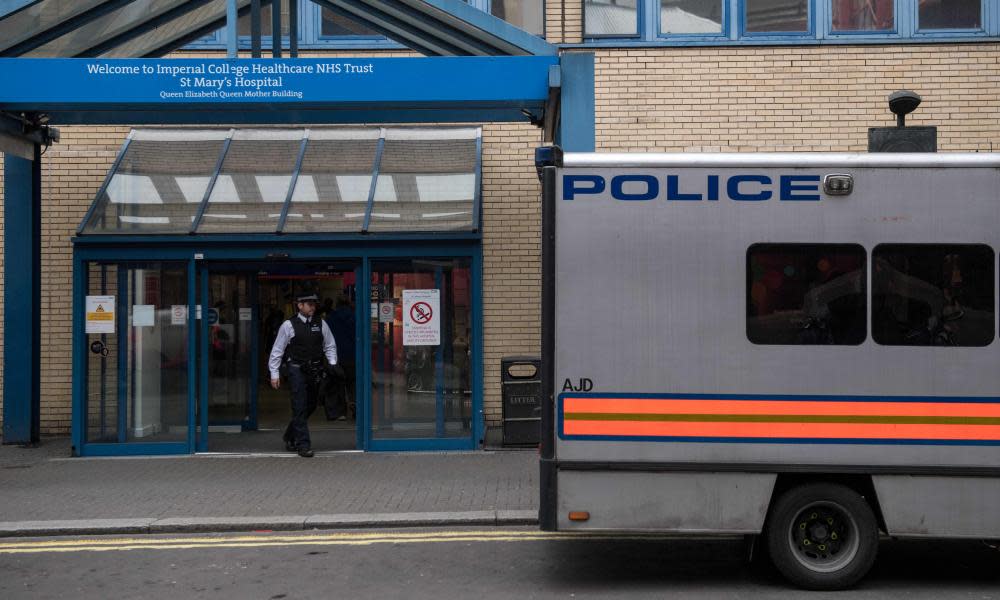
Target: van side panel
669, 502
959, 507
651, 287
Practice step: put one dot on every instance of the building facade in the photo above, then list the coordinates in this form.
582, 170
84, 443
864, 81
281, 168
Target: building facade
670, 76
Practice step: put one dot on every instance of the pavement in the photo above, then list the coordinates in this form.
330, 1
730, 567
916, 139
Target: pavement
44, 491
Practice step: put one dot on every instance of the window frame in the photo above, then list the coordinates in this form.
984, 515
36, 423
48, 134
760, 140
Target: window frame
657, 23
905, 29
809, 32
640, 23
844, 246
871, 293
882, 34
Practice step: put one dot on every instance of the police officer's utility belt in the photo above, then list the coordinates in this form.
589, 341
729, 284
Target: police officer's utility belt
309, 367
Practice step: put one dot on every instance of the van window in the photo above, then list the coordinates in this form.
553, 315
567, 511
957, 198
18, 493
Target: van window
933, 294
806, 294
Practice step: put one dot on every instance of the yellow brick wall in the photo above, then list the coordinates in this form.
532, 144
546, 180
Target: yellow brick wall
817, 98
512, 223
657, 99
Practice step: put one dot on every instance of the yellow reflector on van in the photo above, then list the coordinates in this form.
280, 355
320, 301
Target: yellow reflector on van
579, 515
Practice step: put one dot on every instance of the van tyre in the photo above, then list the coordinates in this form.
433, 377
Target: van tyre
822, 536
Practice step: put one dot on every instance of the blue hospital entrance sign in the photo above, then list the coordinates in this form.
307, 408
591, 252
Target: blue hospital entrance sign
79, 84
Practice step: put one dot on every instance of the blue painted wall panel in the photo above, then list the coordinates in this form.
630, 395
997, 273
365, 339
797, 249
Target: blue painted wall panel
21, 335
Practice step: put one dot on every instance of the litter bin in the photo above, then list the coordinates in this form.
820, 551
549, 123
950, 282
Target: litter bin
521, 381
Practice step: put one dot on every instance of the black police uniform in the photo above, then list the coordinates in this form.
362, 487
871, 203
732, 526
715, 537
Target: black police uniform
306, 367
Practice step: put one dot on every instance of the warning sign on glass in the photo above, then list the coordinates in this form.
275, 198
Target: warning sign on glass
100, 314
421, 317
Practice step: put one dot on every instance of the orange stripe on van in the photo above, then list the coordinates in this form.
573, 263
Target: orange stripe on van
889, 431
782, 407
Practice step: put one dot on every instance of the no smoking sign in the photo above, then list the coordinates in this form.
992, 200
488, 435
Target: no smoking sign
421, 320
421, 313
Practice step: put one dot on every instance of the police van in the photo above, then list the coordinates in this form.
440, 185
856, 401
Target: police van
797, 346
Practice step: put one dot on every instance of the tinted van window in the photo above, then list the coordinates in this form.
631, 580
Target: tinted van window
933, 294
806, 294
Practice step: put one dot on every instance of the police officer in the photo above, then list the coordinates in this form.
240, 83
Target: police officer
306, 346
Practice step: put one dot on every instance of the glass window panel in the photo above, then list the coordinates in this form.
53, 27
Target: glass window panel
229, 341
426, 181
806, 294
691, 16
862, 15
610, 17
159, 183
331, 193
252, 185
243, 22
332, 24
106, 27
151, 404
524, 14
39, 17
933, 295
421, 391
167, 34
949, 14
157, 385
777, 16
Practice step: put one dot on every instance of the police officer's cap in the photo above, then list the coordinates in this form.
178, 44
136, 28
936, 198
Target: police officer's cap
307, 298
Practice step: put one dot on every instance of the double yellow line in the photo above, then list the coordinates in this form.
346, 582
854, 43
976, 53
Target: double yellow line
262, 540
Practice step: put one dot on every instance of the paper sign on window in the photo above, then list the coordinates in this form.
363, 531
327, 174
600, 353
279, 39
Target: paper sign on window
421, 317
100, 314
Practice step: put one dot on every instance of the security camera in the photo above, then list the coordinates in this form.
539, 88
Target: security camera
902, 103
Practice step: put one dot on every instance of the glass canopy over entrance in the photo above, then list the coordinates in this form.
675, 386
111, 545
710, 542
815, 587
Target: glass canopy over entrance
347, 180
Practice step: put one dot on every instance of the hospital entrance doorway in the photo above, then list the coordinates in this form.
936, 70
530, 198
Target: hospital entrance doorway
246, 306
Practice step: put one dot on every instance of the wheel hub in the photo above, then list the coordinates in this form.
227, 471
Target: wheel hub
820, 536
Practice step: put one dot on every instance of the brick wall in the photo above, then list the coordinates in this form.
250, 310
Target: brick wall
657, 99
512, 223
817, 98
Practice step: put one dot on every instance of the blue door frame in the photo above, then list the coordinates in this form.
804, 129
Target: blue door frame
210, 249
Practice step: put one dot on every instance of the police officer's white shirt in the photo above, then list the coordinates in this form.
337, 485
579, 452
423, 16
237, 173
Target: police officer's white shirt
285, 334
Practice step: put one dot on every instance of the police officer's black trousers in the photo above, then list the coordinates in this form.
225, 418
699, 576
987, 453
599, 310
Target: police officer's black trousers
305, 394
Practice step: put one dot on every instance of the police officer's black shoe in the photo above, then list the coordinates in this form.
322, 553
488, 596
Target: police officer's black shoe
306, 453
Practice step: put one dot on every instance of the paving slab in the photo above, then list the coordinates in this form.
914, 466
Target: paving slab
43, 491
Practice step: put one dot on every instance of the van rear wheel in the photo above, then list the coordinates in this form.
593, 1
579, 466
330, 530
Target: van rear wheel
822, 536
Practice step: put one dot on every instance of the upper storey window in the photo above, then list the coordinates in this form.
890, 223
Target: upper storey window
680, 22
318, 26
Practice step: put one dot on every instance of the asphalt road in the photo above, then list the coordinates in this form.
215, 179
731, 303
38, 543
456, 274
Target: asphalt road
467, 563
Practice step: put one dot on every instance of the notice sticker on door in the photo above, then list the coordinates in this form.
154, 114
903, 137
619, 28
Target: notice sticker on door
245, 314
100, 314
421, 317
178, 314
143, 315
386, 312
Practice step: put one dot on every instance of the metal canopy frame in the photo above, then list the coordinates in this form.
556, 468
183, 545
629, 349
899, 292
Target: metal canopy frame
127, 236
116, 28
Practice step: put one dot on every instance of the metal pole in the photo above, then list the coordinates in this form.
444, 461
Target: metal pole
231, 32
255, 28
276, 29
293, 28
